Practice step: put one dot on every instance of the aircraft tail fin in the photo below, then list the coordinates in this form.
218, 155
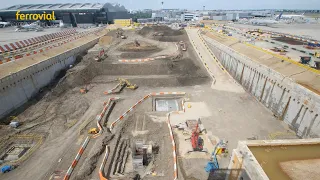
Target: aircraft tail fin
279, 17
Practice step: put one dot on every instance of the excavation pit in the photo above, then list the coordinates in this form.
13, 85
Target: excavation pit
167, 104
19, 148
15, 152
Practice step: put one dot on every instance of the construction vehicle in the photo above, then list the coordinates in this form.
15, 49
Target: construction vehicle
183, 46
124, 82
213, 164
196, 141
136, 42
317, 64
120, 34
14, 124
101, 55
305, 59
7, 168
83, 90
93, 131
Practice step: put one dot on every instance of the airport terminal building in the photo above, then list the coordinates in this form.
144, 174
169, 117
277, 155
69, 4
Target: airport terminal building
71, 13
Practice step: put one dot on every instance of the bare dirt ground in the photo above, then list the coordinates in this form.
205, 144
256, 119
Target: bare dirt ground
143, 46
63, 116
301, 169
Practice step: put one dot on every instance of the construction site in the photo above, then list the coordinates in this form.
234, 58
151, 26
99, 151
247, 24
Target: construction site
148, 103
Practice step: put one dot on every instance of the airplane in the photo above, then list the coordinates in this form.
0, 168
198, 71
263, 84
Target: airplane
30, 27
291, 16
4, 24
266, 22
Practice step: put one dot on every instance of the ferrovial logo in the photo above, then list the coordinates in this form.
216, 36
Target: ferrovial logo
35, 17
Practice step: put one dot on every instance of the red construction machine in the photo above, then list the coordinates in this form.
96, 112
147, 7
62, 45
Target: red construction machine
196, 141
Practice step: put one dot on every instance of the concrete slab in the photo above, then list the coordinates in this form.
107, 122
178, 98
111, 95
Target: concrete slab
167, 105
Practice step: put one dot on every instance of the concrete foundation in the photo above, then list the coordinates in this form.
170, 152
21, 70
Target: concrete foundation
243, 158
16, 151
289, 101
167, 105
17, 88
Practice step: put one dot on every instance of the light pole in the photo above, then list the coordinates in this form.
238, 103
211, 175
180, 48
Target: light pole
161, 11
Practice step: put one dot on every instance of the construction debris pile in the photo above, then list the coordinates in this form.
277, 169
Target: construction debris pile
161, 33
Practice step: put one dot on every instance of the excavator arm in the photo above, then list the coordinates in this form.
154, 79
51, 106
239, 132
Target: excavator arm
127, 83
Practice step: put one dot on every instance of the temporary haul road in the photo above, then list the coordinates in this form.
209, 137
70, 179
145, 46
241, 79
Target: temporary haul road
221, 79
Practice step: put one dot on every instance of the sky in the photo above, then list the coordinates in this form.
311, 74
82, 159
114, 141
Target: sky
187, 4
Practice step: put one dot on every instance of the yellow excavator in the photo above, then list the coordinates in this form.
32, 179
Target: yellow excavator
93, 131
127, 84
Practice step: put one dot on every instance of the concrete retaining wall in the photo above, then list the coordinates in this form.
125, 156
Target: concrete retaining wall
16, 89
289, 101
243, 158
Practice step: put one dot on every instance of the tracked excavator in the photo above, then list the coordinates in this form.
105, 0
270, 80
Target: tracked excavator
93, 131
120, 34
101, 55
124, 82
